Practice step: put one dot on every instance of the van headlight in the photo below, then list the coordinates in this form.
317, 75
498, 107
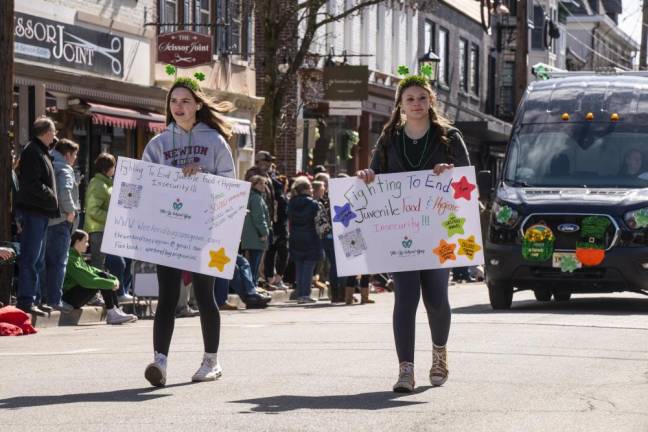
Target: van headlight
637, 219
504, 214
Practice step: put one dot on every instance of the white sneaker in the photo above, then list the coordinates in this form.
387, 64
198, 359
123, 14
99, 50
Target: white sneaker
155, 372
209, 369
125, 298
132, 317
306, 300
405, 383
116, 316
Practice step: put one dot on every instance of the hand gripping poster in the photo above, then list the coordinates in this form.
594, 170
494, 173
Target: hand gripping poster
160, 216
406, 221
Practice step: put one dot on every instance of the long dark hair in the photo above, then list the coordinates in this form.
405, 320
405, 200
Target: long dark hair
437, 120
211, 112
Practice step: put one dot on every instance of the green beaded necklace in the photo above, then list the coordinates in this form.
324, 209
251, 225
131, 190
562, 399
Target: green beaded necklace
417, 165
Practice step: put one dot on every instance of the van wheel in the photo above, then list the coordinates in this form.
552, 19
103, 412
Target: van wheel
542, 294
562, 296
500, 295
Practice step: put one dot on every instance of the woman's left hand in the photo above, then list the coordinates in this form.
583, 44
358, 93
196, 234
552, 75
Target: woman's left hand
441, 167
191, 169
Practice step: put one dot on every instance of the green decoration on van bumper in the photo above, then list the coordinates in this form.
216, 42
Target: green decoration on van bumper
538, 243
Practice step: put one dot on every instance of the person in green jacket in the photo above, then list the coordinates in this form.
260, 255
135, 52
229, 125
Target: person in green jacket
82, 281
256, 227
97, 199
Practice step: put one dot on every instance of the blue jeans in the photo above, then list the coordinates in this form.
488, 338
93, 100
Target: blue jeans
32, 257
221, 289
255, 261
304, 276
56, 257
242, 281
120, 268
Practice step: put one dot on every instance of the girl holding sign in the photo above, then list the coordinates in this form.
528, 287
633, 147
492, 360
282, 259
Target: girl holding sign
196, 141
417, 137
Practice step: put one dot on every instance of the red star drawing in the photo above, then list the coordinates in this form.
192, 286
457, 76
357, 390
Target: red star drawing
463, 188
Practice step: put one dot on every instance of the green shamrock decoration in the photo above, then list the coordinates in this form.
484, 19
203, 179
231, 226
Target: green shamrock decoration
171, 70
188, 82
568, 264
199, 76
426, 71
641, 218
403, 70
504, 214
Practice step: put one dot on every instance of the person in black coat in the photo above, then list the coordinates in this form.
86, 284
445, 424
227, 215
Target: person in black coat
304, 243
36, 200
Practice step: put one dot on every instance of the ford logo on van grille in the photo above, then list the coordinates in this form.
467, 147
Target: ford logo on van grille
568, 228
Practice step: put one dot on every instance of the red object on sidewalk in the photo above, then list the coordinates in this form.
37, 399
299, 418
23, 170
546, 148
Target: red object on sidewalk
15, 322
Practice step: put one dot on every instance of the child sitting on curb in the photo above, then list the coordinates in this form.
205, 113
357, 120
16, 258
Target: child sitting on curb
82, 282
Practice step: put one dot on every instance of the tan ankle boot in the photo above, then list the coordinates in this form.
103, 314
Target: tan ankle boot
348, 295
364, 296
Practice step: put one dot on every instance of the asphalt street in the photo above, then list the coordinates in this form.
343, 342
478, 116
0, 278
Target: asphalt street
575, 366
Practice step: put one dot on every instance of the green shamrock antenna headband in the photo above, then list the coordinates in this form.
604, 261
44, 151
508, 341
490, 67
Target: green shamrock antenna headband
185, 81
422, 80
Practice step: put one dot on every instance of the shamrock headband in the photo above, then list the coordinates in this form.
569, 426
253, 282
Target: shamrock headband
421, 80
185, 81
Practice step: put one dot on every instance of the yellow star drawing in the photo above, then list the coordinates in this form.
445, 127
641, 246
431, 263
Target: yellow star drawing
218, 259
445, 251
468, 247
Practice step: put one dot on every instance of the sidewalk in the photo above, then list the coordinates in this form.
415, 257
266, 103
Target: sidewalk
96, 314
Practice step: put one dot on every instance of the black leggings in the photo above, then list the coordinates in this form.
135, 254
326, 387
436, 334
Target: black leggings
408, 287
79, 296
203, 285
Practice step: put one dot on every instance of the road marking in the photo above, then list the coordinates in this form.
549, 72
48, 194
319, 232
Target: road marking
50, 353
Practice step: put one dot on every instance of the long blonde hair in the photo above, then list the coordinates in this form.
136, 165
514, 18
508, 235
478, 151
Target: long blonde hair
437, 120
211, 113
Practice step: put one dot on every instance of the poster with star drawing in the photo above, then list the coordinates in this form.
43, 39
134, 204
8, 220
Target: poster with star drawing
159, 216
406, 221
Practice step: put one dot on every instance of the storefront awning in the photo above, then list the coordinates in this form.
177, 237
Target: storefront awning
126, 118
240, 126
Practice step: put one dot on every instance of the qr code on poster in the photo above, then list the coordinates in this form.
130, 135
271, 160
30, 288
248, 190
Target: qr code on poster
353, 243
129, 195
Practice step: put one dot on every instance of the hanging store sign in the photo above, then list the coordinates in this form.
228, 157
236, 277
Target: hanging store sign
184, 49
346, 83
46, 41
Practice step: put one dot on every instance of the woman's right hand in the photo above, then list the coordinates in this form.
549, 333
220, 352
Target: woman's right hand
367, 175
116, 286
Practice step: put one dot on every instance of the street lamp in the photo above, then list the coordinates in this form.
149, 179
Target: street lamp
430, 62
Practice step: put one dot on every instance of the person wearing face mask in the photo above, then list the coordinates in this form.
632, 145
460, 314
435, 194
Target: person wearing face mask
417, 137
195, 140
37, 202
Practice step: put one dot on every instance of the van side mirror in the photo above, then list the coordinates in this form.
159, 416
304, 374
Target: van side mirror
485, 184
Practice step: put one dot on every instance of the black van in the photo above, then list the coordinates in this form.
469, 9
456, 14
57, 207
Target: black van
570, 213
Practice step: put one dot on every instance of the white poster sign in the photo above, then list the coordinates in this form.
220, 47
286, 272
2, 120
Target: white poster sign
406, 221
158, 215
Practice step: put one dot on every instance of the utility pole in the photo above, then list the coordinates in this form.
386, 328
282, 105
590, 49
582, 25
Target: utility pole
521, 50
6, 103
644, 35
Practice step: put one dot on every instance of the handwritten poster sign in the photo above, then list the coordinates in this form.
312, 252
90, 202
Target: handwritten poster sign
406, 221
158, 215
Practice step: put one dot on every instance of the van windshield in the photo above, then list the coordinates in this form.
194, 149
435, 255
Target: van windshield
598, 155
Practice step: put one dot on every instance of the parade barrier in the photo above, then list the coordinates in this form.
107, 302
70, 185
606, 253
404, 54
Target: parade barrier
406, 221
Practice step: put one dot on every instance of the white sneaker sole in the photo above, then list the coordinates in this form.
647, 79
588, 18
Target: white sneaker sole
155, 375
205, 379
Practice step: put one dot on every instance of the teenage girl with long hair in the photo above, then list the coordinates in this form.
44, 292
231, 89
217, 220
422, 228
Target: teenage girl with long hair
196, 141
417, 137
